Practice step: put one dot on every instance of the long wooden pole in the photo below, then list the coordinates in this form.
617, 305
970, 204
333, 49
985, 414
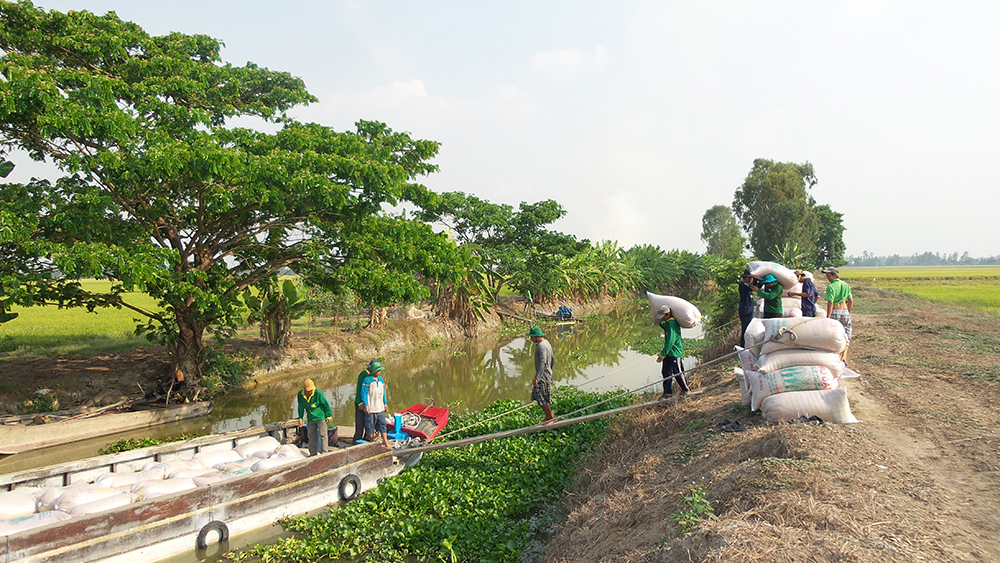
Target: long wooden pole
525, 430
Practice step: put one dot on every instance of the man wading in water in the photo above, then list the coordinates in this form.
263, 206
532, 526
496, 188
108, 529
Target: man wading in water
541, 390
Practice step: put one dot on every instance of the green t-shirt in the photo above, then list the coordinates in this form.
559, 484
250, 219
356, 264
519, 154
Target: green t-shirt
837, 292
672, 344
772, 298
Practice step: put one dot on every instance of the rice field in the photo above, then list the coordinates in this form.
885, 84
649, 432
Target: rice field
50, 330
976, 287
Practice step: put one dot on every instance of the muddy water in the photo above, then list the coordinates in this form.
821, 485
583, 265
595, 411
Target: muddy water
471, 373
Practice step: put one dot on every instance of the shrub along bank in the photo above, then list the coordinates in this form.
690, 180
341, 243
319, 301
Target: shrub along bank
484, 502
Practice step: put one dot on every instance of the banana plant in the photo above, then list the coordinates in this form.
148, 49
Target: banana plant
275, 309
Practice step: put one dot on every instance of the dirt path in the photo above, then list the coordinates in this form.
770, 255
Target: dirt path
917, 480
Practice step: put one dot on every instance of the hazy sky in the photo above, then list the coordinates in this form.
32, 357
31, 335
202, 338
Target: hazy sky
638, 116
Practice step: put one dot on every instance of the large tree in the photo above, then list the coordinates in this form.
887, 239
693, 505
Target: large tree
721, 233
774, 207
830, 246
158, 194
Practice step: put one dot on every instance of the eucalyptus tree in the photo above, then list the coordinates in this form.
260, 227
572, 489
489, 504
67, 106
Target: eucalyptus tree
774, 207
721, 233
159, 193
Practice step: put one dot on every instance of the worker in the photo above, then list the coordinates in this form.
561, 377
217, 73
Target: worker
315, 415
770, 290
670, 356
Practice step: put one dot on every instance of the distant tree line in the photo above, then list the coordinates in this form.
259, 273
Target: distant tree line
925, 259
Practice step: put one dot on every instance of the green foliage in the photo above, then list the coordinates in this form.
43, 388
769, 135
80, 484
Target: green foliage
159, 195
697, 508
231, 370
726, 299
773, 206
474, 503
792, 255
721, 233
275, 309
128, 444
830, 245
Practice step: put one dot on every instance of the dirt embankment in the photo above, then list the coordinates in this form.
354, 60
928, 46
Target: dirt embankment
103, 379
917, 480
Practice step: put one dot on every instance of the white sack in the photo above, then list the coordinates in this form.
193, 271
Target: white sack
16, 503
289, 450
217, 476
796, 288
748, 359
190, 472
232, 466
267, 444
785, 277
168, 466
211, 459
272, 462
47, 499
687, 315
830, 405
152, 489
795, 378
791, 312
83, 495
791, 303
745, 396
801, 332
116, 501
128, 479
15, 525
798, 357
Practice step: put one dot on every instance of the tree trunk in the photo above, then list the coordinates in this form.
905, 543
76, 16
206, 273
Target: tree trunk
376, 317
188, 354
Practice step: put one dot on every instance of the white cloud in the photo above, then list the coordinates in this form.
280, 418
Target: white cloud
569, 62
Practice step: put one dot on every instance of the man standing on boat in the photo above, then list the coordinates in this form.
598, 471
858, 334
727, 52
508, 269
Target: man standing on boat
375, 402
315, 414
541, 390
360, 416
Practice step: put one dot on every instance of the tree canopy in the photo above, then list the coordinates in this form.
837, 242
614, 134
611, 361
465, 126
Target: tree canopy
774, 207
721, 233
160, 195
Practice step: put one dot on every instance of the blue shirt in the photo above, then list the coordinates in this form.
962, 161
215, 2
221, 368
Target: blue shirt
809, 303
746, 300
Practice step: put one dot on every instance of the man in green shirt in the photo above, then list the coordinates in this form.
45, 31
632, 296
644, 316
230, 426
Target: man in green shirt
315, 414
770, 292
670, 356
839, 303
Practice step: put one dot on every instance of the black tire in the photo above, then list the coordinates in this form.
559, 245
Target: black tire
350, 483
213, 526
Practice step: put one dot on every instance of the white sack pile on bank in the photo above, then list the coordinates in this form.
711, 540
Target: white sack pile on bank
792, 369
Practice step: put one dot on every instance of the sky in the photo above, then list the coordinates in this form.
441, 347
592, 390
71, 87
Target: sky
638, 116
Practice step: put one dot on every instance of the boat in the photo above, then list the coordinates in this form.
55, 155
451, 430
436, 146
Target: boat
29, 432
199, 518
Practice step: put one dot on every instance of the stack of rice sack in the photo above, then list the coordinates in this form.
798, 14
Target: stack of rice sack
29, 507
686, 314
796, 371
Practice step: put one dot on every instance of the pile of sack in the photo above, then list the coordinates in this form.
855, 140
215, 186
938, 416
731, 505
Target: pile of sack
790, 306
29, 507
791, 368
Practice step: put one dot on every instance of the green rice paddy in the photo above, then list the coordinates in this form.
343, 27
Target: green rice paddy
976, 287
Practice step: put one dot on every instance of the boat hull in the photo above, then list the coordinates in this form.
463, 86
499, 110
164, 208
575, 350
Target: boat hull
170, 525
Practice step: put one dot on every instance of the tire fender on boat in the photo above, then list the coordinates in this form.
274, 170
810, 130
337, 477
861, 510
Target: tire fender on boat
216, 526
350, 483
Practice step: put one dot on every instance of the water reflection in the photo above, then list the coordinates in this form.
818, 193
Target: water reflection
470, 373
